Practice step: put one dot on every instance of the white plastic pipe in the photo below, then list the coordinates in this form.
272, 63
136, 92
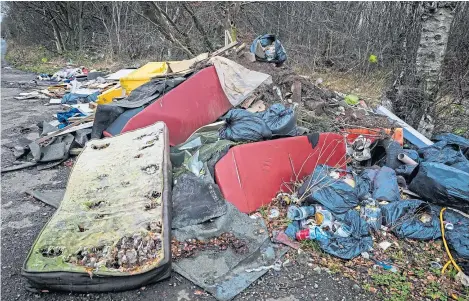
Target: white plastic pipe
406, 159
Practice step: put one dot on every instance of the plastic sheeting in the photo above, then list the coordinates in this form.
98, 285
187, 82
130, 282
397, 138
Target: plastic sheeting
73, 98
148, 92
195, 201
442, 185
236, 81
223, 273
243, 126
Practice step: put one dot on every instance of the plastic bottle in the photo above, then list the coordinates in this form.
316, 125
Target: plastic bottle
313, 233
295, 213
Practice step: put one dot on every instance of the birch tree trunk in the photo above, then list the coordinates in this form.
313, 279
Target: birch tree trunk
436, 24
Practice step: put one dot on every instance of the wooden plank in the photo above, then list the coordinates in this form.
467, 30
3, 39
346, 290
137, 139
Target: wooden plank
296, 90
410, 133
241, 47
247, 103
66, 129
223, 49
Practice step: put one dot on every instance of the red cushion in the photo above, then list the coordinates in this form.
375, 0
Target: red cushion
198, 101
250, 175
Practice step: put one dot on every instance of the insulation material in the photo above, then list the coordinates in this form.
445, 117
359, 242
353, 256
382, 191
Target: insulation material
143, 75
113, 223
250, 175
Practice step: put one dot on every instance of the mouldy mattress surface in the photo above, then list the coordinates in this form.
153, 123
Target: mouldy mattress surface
196, 102
113, 223
250, 175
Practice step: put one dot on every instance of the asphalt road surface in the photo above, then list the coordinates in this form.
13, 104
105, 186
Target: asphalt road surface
24, 217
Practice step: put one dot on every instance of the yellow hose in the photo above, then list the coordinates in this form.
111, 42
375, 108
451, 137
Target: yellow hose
451, 260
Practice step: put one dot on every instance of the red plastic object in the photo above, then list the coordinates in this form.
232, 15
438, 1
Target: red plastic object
373, 134
250, 175
198, 101
302, 234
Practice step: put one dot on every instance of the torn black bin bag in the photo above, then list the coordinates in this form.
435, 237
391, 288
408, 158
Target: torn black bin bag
442, 185
404, 219
385, 186
452, 139
405, 170
457, 237
349, 247
442, 152
148, 92
244, 126
334, 194
280, 120
104, 117
195, 201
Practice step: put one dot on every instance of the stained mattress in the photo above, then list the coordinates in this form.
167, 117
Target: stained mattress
112, 229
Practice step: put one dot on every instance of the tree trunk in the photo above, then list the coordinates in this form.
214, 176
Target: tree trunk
436, 24
80, 25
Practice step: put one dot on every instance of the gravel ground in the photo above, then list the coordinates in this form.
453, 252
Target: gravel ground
24, 217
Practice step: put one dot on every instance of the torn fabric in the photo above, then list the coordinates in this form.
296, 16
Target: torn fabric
236, 81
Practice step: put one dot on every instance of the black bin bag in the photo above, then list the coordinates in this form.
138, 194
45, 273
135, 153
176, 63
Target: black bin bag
244, 126
442, 185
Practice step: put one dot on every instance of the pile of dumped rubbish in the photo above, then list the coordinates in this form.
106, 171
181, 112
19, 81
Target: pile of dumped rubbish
199, 147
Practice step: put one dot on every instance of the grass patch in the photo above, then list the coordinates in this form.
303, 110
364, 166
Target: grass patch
38, 59
368, 86
311, 245
434, 292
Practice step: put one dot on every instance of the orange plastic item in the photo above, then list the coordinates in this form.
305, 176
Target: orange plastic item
397, 134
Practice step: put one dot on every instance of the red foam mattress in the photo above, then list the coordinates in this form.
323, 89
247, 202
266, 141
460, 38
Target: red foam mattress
250, 175
198, 101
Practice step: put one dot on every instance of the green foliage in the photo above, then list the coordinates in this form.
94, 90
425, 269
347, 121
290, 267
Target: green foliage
460, 131
373, 59
351, 99
434, 292
396, 286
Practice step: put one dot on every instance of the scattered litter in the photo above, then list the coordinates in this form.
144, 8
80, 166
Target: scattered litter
274, 213
384, 245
